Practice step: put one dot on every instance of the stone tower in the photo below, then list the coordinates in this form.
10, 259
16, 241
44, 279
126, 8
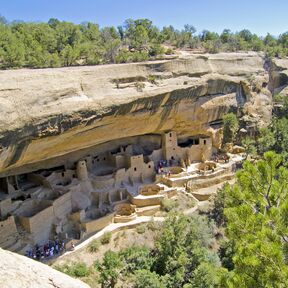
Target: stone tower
82, 172
169, 145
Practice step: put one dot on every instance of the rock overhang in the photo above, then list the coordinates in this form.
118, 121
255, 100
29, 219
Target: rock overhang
50, 113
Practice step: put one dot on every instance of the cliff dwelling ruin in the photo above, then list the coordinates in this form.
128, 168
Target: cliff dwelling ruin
82, 153
113, 185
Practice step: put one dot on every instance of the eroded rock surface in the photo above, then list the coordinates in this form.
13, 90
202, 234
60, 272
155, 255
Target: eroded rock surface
279, 76
51, 116
21, 272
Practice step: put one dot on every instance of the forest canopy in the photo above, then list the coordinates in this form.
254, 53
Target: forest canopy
60, 43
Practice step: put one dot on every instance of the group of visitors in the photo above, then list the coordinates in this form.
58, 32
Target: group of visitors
50, 249
222, 157
162, 166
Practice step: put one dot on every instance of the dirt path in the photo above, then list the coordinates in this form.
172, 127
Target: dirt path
113, 227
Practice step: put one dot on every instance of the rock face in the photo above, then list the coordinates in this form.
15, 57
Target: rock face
20, 272
52, 116
279, 76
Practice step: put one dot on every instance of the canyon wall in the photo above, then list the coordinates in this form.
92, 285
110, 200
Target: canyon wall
279, 76
49, 117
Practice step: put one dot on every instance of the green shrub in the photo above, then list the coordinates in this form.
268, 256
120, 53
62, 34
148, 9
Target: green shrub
117, 83
152, 79
250, 145
169, 51
123, 57
106, 238
109, 269
128, 56
145, 278
139, 56
156, 49
78, 269
168, 205
230, 127
135, 258
94, 246
141, 229
152, 226
139, 86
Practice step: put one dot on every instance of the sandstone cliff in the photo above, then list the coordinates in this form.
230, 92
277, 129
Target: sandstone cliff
20, 272
48, 114
279, 76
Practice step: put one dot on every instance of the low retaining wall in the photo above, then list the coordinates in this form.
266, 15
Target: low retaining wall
146, 200
92, 226
204, 183
124, 218
201, 197
148, 211
176, 182
170, 193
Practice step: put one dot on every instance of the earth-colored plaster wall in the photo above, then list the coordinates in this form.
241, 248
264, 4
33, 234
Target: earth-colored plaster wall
62, 206
146, 201
200, 152
39, 225
92, 226
148, 211
5, 207
139, 170
8, 229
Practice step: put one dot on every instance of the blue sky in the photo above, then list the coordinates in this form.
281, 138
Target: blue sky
259, 16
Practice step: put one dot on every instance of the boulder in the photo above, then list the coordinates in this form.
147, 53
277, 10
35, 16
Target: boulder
237, 149
22, 272
227, 147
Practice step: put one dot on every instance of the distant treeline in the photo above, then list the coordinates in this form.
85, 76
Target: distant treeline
56, 43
